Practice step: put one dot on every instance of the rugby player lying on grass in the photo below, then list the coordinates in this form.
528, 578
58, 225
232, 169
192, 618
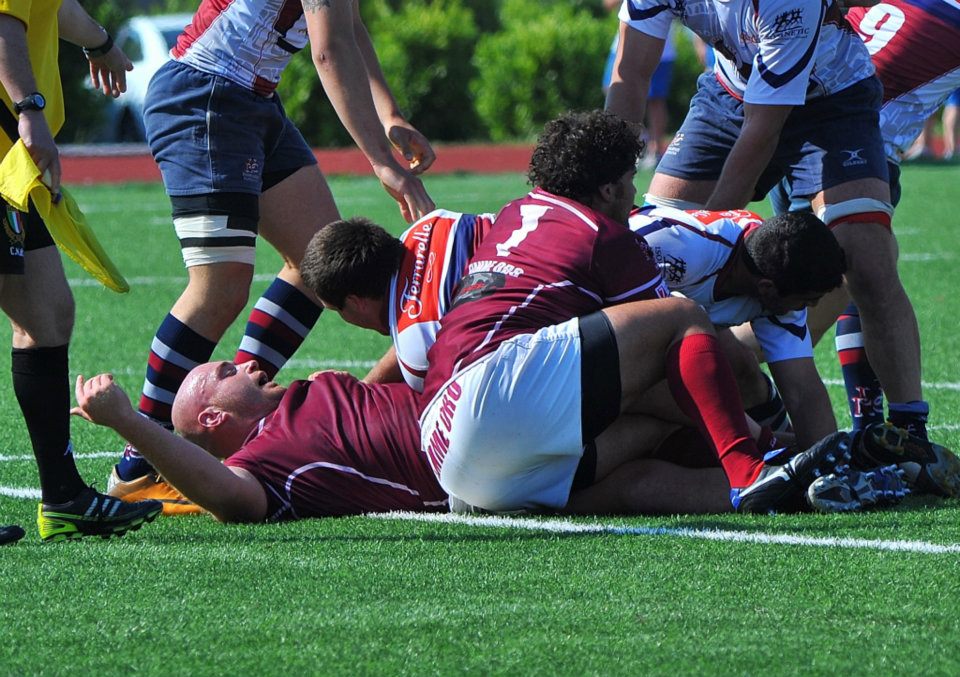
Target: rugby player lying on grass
334, 446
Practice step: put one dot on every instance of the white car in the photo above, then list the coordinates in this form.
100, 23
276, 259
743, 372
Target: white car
147, 40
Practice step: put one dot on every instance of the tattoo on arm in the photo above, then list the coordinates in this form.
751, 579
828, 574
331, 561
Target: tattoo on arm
315, 5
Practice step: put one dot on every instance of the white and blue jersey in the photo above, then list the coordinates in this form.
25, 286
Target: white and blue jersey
778, 52
693, 250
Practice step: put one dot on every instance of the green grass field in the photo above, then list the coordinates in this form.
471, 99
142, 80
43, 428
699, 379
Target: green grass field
866, 594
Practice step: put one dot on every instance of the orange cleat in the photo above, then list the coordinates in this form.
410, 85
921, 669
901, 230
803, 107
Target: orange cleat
151, 486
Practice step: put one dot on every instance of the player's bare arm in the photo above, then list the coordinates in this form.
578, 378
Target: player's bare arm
805, 398
108, 69
343, 73
16, 76
413, 145
231, 495
749, 156
386, 370
638, 55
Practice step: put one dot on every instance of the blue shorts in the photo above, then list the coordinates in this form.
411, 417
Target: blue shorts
954, 98
782, 201
211, 135
660, 81
824, 143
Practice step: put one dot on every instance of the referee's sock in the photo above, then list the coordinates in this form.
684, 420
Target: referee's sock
41, 384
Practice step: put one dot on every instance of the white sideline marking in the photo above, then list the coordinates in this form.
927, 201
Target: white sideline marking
925, 384
19, 492
926, 256
156, 280
267, 277
93, 454
563, 527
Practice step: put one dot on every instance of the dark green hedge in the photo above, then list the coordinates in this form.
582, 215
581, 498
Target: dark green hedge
460, 69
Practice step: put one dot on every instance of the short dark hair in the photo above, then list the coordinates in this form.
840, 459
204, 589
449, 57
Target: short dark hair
579, 152
798, 253
351, 256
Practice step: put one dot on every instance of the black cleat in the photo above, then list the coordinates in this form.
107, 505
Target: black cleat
93, 514
851, 490
783, 486
11, 534
931, 468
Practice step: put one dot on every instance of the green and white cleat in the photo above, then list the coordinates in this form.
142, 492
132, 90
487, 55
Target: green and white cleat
93, 514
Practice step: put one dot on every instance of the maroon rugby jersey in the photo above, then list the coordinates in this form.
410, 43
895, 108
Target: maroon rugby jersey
336, 446
546, 260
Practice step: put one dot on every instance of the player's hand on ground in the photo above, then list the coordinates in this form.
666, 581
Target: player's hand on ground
413, 145
36, 136
407, 190
108, 73
101, 401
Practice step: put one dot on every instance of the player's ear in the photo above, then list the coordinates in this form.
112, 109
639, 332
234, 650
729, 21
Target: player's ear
608, 192
766, 290
210, 418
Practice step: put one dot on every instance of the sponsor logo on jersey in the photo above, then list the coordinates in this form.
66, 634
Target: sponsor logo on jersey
789, 25
500, 267
853, 157
477, 285
419, 240
673, 268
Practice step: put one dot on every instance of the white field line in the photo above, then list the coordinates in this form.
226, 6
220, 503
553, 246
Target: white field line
182, 279
925, 384
557, 526
19, 492
295, 363
92, 454
157, 280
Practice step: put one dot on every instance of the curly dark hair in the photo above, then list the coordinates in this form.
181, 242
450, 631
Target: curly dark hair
352, 256
579, 152
798, 253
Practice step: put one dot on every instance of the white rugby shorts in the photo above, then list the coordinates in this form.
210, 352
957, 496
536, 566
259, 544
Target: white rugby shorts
505, 433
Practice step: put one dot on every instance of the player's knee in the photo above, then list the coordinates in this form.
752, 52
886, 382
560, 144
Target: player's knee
689, 316
49, 325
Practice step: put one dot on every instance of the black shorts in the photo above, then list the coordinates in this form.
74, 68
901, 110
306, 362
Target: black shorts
600, 389
21, 232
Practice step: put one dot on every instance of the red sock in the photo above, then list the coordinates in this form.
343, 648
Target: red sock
703, 384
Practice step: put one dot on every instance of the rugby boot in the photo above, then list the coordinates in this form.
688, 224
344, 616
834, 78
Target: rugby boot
930, 468
10, 534
783, 481
151, 486
850, 490
93, 514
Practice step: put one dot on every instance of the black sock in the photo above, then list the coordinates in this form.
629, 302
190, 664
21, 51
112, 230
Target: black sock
41, 384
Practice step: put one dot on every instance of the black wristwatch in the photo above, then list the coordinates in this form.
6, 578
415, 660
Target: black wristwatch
33, 101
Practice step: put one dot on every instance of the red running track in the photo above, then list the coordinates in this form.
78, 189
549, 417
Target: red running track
91, 165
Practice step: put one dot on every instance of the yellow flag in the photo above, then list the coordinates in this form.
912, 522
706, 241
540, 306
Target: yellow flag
20, 181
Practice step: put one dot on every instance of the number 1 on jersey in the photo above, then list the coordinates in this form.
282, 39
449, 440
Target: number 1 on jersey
529, 220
